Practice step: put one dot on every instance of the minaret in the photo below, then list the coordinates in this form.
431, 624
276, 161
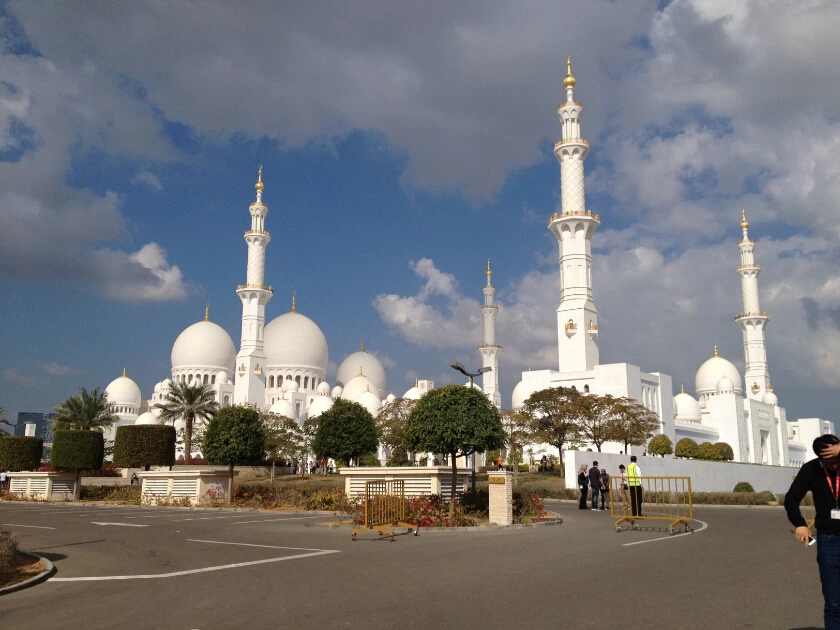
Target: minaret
488, 350
250, 362
752, 321
577, 319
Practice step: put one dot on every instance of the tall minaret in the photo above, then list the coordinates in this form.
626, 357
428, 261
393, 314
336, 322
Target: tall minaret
752, 321
488, 350
250, 362
577, 319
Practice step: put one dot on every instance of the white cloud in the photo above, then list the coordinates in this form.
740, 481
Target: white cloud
144, 276
59, 369
19, 378
148, 179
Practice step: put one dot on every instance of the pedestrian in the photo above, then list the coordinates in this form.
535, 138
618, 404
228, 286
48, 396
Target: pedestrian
625, 489
294, 466
499, 463
595, 484
3, 477
605, 489
583, 484
330, 465
633, 480
544, 464
820, 476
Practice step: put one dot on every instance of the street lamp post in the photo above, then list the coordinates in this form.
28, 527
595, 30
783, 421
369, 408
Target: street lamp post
463, 370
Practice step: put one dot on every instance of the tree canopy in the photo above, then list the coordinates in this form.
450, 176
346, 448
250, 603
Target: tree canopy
390, 427
632, 423
660, 445
84, 411
283, 438
596, 421
686, 447
190, 403
345, 431
553, 413
235, 436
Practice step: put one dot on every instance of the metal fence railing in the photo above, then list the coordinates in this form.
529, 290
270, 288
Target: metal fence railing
384, 508
652, 499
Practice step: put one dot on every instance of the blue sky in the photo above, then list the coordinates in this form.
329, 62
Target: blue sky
130, 139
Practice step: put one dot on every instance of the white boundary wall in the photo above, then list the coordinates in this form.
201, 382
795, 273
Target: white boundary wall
705, 476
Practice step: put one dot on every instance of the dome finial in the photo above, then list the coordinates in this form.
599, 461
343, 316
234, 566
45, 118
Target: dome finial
682, 389
207, 312
124, 375
362, 345
569, 81
744, 223
294, 302
489, 271
259, 186
716, 352
416, 382
361, 373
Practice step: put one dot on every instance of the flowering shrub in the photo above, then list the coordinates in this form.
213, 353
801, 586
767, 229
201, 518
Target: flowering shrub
107, 471
6, 495
327, 499
165, 501
527, 506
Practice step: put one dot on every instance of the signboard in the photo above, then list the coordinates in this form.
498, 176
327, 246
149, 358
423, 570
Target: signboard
496, 480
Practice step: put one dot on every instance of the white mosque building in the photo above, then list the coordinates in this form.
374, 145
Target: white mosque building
751, 420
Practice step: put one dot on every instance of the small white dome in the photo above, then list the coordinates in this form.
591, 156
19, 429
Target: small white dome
222, 378
371, 402
157, 387
770, 398
295, 341
318, 406
147, 418
166, 383
323, 387
522, 391
711, 372
124, 391
356, 387
292, 386
412, 394
390, 398
283, 407
337, 391
204, 345
725, 386
364, 362
687, 407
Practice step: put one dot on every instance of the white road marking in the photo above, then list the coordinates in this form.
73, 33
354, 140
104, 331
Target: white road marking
696, 531
32, 526
272, 520
190, 571
206, 518
119, 524
220, 542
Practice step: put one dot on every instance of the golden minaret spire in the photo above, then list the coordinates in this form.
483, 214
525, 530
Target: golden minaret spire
207, 312
569, 81
294, 302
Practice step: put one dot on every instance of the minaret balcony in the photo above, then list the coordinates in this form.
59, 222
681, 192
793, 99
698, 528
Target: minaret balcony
261, 232
570, 104
571, 329
262, 287
592, 329
749, 266
560, 143
752, 316
557, 216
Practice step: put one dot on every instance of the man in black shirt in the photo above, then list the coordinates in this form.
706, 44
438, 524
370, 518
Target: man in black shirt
595, 484
820, 477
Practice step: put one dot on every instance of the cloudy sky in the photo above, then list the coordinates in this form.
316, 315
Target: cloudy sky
403, 144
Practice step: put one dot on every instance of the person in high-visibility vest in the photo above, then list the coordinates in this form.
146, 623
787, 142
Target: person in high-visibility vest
633, 480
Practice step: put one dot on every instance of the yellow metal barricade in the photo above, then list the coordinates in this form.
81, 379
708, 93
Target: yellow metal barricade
654, 499
385, 507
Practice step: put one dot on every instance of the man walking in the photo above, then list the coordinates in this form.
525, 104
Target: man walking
635, 483
595, 484
605, 492
820, 476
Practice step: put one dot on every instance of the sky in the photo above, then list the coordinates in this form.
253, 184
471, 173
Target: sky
403, 144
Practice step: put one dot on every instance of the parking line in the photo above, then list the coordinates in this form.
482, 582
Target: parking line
272, 520
105, 578
642, 542
206, 518
238, 544
32, 526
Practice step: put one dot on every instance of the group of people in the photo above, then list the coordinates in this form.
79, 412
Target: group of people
326, 465
596, 481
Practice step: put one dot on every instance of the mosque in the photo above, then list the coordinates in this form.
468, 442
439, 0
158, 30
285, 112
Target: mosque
281, 367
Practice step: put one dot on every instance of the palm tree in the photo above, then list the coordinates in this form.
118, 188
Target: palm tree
189, 403
86, 411
3, 420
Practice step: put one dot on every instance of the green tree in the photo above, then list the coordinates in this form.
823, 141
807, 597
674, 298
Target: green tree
724, 452
390, 428
345, 431
707, 451
517, 427
20, 453
456, 420
596, 418
2, 419
283, 438
85, 411
632, 423
660, 445
235, 436
189, 403
687, 448
78, 451
553, 414
145, 445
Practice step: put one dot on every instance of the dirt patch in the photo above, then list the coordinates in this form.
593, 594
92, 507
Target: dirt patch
25, 567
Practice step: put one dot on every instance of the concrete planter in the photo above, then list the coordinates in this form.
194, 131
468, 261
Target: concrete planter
418, 480
162, 486
45, 486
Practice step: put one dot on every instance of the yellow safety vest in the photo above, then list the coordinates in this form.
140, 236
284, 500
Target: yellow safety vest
633, 478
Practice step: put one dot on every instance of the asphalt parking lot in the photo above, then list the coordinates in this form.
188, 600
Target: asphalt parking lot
135, 567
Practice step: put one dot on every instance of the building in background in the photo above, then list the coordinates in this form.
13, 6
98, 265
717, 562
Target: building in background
35, 424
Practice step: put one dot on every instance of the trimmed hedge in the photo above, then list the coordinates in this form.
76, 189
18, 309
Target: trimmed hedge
19, 453
78, 450
660, 445
724, 452
686, 447
743, 486
141, 446
707, 451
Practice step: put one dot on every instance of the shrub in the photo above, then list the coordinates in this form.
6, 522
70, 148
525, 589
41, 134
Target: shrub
117, 494
369, 460
527, 506
707, 451
78, 450
769, 497
686, 447
724, 452
743, 486
8, 552
142, 446
660, 445
20, 453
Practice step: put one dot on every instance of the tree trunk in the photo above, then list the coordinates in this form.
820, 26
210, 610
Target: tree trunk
188, 422
230, 486
562, 466
452, 490
272, 470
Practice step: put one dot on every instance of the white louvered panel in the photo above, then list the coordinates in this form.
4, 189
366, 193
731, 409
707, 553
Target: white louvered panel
38, 486
415, 487
446, 486
18, 485
185, 487
64, 486
159, 487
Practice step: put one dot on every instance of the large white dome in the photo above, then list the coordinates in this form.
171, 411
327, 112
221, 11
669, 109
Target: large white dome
283, 407
712, 371
204, 345
318, 406
687, 407
294, 340
412, 394
522, 391
365, 362
123, 391
356, 387
147, 418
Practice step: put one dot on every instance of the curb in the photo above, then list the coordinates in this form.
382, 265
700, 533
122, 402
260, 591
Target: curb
702, 506
43, 576
86, 504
